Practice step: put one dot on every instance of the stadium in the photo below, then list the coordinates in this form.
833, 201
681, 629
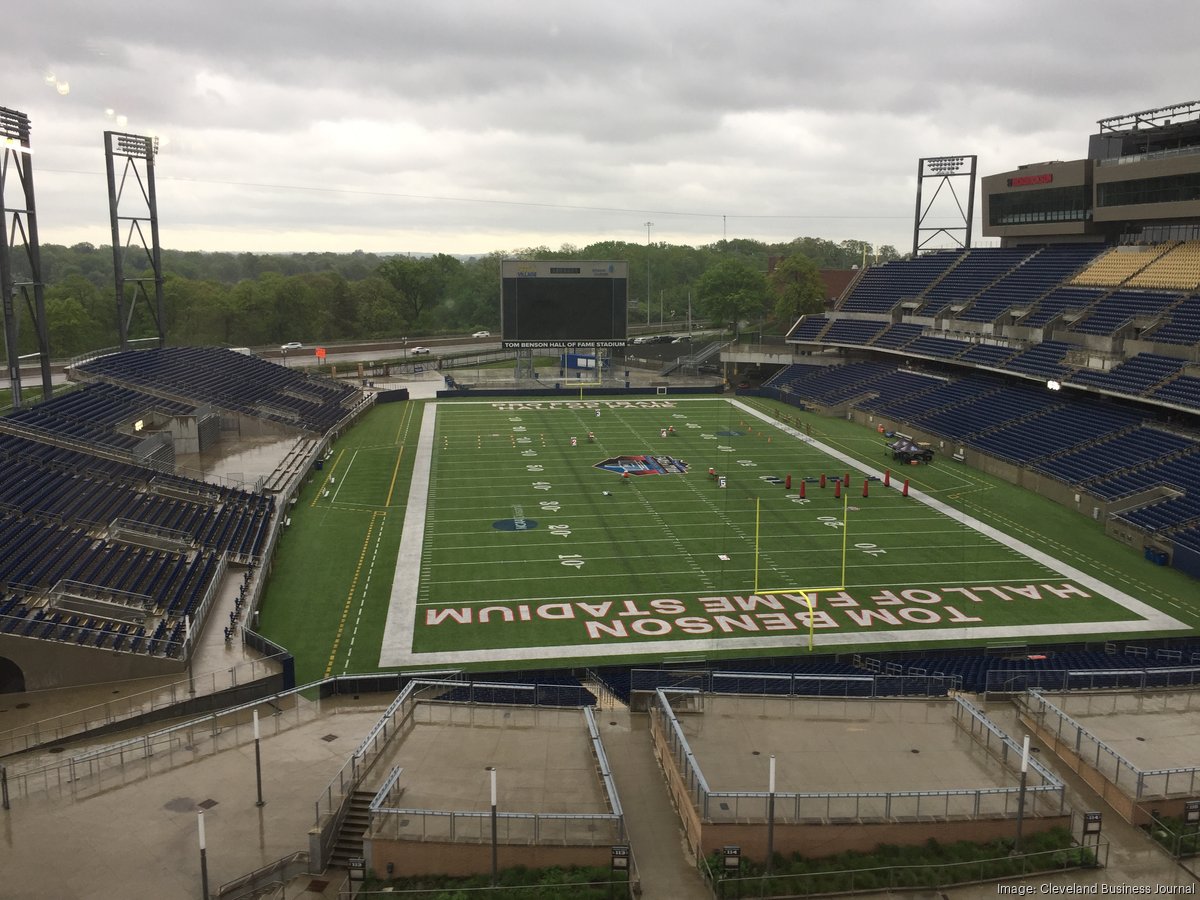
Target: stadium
960, 506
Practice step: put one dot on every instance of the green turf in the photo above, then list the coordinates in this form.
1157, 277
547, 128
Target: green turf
642, 566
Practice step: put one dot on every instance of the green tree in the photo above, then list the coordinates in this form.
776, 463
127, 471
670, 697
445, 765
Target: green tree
67, 325
377, 310
798, 289
731, 291
417, 284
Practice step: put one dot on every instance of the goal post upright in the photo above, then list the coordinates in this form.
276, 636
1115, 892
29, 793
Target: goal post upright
804, 592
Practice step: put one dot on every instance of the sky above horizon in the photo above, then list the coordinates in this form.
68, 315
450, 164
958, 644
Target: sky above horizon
473, 127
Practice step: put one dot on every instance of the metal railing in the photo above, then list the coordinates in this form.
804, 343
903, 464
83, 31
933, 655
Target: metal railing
907, 878
1014, 681
266, 878
1115, 768
727, 806
797, 684
112, 712
389, 819
610, 786
91, 772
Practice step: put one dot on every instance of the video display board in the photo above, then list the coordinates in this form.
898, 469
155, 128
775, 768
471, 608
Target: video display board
561, 303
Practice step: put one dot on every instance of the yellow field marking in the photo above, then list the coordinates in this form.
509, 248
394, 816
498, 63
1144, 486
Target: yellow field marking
337, 640
321, 490
404, 422
804, 592
395, 472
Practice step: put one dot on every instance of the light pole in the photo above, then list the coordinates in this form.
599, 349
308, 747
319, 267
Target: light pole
257, 762
203, 858
770, 815
649, 225
492, 772
1021, 796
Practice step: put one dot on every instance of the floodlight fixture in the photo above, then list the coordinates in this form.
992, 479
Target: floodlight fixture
14, 125
944, 165
136, 145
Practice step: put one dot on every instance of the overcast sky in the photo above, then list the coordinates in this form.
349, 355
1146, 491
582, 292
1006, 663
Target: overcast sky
468, 127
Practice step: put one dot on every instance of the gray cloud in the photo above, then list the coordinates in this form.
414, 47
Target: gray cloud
441, 125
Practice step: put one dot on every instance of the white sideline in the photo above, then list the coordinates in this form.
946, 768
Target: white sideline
402, 607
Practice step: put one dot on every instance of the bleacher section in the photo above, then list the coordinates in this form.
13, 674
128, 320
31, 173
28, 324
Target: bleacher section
1034, 276
1133, 449
991, 355
979, 672
1133, 377
897, 336
975, 271
1044, 359
833, 385
853, 331
1107, 449
926, 345
1051, 432
1184, 391
1178, 269
231, 381
989, 409
1119, 264
1076, 298
1059, 301
882, 287
808, 328
235, 522
1113, 310
101, 551
104, 416
35, 556
1182, 325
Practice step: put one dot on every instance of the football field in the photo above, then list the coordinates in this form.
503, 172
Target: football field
596, 530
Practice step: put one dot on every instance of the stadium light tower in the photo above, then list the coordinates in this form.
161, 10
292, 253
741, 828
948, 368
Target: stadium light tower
943, 169
649, 225
20, 273
135, 150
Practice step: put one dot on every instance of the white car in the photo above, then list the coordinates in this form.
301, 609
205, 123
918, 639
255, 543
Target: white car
292, 345
482, 334
419, 351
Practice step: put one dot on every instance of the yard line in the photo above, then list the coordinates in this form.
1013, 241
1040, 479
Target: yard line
349, 466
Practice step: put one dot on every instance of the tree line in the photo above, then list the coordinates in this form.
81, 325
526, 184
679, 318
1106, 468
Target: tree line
263, 299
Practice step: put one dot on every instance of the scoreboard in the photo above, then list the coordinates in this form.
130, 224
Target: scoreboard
563, 303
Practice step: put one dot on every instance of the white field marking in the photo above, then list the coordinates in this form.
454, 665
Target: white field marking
349, 466
656, 595
362, 594
398, 633
747, 566
402, 605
